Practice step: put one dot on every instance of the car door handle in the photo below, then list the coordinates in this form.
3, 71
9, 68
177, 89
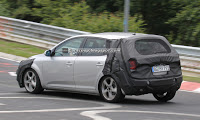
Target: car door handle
69, 63
99, 64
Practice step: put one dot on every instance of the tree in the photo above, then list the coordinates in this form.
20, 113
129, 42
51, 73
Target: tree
155, 13
186, 24
4, 8
99, 6
178, 20
78, 17
21, 9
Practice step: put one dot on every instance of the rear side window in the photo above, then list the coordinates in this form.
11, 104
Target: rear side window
94, 43
151, 46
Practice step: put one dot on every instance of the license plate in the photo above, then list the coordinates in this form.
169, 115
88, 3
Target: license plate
160, 68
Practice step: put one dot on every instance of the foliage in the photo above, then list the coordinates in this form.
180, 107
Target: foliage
74, 14
99, 6
21, 9
80, 18
186, 24
3, 8
178, 20
155, 13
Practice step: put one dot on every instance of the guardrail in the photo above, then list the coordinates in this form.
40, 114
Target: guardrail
47, 36
187, 50
36, 30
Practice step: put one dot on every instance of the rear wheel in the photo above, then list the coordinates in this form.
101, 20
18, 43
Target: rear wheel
164, 97
110, 90
32, 82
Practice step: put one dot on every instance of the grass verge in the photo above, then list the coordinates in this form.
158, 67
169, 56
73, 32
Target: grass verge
19, 49
191, 79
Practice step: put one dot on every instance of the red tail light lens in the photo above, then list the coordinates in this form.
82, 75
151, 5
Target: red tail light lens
132, 64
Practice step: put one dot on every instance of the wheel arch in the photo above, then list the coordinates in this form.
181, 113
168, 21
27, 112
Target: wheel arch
114, 77
23, 73
38, 70
32, 67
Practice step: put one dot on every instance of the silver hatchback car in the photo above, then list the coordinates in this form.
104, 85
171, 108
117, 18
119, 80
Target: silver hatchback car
111, 65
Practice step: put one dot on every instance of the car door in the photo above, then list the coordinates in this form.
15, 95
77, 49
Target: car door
58, 70
89, 65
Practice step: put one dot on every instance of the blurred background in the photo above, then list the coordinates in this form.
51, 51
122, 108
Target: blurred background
29, 27
178, 20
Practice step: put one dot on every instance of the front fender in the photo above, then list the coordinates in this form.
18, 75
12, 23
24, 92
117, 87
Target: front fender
23, 65
38, 69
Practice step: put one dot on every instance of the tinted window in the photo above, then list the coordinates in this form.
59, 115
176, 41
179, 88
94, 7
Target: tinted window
151, 46
94, 44
69, 48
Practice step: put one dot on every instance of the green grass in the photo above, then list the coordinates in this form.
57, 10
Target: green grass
191, 79
19, 49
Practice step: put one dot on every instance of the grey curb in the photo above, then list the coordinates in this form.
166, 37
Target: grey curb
12, 57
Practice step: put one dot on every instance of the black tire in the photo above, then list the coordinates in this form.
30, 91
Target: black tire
32, 82
110, 92
164, 97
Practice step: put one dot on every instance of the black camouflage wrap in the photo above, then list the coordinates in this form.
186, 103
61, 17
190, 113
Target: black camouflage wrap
142, 80
21, 69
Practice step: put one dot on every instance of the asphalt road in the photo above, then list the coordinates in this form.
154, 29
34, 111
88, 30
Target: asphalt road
16, 104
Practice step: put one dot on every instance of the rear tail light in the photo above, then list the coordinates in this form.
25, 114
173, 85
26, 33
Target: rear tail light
132, 64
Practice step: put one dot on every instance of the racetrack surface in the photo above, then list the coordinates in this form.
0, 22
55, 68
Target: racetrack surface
16, 104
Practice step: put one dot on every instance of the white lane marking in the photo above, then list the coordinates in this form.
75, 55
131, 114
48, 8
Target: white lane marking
184, 81
104, 105
10, 93
189, 91
2, 104
12, 73
197, 90
94, 114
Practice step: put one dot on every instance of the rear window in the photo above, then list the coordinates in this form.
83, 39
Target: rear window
151, 46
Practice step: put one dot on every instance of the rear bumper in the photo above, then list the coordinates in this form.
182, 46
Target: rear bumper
139, 87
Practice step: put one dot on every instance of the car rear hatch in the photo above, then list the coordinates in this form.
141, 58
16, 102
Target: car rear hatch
151, 58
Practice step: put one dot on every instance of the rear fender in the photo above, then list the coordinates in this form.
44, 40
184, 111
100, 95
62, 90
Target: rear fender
101, 76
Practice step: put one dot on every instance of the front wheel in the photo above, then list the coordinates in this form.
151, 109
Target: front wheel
110, 91
32, 82
164, 97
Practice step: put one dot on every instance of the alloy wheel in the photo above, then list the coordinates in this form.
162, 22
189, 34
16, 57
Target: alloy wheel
109, 88
30, 81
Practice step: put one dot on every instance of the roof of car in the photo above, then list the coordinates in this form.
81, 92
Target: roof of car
114, 35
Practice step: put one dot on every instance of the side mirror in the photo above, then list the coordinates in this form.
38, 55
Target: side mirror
48, 53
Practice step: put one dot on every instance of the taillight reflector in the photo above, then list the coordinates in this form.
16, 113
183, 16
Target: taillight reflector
132, 64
